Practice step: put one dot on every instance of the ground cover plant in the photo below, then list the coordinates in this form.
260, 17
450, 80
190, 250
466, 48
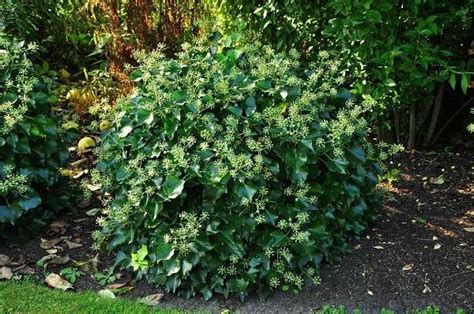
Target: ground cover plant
232, 169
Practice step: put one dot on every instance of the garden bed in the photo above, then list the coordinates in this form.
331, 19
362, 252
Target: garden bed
420, 252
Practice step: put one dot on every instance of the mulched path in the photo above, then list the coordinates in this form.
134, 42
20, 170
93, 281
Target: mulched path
419, 253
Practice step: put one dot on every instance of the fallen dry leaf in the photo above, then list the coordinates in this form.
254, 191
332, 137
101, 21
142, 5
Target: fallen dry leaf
26, 270
80, 220
438, 180
92, 212
56, 281
119, 288
53, 260
80, 174
408, 267
370, 292
106, 293
78, 163
48, 244
378, 247
20, 261
94, 187
52, 251
4, 260
427, 289
469, 229
357, 247
6, 273
58, 226
152, 300
72, 245
437, 246
116, 285
88, 267
86, 202
445, 232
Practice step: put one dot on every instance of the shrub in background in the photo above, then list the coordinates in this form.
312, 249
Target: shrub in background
31, 145
403, 54
233, 169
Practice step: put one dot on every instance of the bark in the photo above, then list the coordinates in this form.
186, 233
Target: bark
435, 115
412, 128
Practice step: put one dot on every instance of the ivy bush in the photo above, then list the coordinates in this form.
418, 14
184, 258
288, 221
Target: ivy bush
234, 169
31, 145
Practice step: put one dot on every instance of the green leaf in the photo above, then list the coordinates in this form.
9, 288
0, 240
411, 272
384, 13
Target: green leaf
390, 83
186, 267
452, 81
125, 131
338, 165
264, 84
142, 252
136, 75
235, 110
120, 237
171, 267
276, 239
138, 259
9, 214
235, 247
172, 284
173, 187
358, 153
464, 83
212, 228
250, 106
246, 191
153, 209
344, 94
206, 293
31, 202
163, 251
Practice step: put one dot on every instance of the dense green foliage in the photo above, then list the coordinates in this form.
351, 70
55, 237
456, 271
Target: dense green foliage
398, 52
31, 146
60, 28
232, 168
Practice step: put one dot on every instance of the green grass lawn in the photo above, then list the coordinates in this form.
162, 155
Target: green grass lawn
27, 297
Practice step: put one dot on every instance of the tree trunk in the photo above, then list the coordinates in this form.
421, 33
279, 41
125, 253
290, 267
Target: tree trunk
435, 115
412, 128
396, 117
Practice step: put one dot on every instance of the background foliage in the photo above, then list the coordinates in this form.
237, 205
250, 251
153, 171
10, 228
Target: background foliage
399, 53
32, 146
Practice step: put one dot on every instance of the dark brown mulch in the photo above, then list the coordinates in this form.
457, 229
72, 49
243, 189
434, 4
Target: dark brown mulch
419, 253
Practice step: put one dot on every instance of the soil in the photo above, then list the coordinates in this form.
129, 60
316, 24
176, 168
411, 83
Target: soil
419, 253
